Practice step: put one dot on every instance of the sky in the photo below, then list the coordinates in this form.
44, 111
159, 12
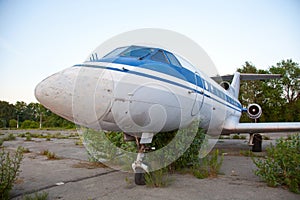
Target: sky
39, 38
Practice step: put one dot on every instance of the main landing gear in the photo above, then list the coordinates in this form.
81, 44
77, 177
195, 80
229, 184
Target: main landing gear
256, 142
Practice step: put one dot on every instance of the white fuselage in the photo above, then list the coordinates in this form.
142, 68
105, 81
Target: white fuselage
126, 98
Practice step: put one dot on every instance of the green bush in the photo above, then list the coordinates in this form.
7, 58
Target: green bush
9, 169
13, 123
190, 157
29, 124
281, 166
101, 146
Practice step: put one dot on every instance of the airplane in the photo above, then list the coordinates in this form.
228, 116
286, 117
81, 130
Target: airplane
143, 90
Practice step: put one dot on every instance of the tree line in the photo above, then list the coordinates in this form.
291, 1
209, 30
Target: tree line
32, 115
279, 99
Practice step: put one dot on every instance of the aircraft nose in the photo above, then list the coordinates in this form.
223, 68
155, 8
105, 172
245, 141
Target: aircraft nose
55, 92
82, 95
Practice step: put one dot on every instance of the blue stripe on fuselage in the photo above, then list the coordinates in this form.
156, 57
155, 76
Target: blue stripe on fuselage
178, 72
171, 82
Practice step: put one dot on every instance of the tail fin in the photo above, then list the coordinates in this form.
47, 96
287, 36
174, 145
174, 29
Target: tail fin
235, 84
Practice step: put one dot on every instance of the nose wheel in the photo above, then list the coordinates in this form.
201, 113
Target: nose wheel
139, 176
138, 166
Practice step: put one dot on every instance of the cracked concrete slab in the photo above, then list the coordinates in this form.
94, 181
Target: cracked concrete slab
74, 177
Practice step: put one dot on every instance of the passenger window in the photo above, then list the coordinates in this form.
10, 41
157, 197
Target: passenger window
160, 57
173, 59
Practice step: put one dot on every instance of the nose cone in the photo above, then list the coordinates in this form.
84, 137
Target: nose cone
55, 92
82, 95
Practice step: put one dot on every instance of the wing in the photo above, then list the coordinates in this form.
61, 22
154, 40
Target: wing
262, 127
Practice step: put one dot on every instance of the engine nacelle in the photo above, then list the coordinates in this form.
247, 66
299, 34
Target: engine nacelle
254, 111
227, 87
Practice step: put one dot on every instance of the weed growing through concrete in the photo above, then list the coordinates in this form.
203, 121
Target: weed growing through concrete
281, 166
37, 196
209, 166
50, 155
24, 150
28, 138
9, 137
9, 169
158, 178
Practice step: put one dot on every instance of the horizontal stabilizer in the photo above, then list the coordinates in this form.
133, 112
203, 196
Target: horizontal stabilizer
248, 77
262, 127
237, 77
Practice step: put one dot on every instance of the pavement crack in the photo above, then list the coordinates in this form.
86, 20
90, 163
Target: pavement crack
64, 182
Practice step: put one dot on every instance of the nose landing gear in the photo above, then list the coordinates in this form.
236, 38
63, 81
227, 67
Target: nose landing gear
138, 166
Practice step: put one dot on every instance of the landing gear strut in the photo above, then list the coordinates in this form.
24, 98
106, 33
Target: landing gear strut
138, 166
256, 142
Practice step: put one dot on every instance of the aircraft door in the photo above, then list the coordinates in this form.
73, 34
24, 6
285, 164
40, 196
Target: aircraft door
199, 96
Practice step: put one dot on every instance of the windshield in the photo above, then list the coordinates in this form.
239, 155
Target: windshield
186, 64
132, 51
138, 52
115, 52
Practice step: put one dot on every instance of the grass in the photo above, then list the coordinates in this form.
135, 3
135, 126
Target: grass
24, 150
281, 164
265, 137
158, 178
9, 168
37, 196
238, 137
9, 137
209, 166
247, 153
48, 136
50, 155
28, 138
79, 142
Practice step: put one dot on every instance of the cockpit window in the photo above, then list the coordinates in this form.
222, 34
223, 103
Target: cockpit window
173, 59
115, 52
186, 64
138, 52
160, 57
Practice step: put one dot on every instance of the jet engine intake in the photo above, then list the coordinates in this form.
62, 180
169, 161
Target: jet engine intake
225, 85
254, 111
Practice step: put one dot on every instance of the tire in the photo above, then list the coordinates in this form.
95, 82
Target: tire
257, 143
139, 177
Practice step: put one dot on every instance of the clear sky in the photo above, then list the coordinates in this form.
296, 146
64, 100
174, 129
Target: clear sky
39, 38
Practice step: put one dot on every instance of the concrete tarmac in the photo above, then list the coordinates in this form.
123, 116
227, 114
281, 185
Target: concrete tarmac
74, 177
